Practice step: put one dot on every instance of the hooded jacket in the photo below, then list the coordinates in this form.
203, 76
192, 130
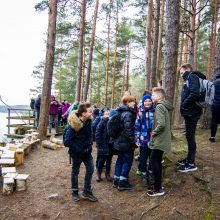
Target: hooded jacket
78, 136
125, 141
101, 137
190, 95
161, 134
216, 102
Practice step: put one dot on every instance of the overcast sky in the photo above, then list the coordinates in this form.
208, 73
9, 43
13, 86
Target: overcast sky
21, 48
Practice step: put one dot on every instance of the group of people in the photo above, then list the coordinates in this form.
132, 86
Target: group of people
146, 126
58, 111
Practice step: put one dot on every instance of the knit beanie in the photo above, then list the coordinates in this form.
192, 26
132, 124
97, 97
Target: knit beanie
146, 97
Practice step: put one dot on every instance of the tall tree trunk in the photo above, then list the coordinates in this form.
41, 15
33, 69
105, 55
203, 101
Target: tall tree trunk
89, 67
192, 32
124, 72
212, 39
155, 44
115, 58
159, 51
197, 38
148, 44
80, 51
171, 48
107, 54
216, 60
186, 49
128, 68
83, 69
48, 72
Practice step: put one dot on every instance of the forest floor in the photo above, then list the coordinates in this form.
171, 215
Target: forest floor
193, 195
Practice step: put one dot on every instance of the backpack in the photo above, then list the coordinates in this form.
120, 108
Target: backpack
206, 89
114, 125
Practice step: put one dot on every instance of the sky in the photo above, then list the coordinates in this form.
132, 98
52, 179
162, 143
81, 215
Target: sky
22, 47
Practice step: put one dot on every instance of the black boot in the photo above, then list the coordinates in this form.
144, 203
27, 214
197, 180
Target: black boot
99, 176
124, 185
115, 183
89, 195
75, 196
108, 177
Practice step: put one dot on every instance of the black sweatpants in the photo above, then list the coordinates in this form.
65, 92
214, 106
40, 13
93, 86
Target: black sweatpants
156, 165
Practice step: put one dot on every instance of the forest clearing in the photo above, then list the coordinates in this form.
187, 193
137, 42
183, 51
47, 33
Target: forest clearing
188, 196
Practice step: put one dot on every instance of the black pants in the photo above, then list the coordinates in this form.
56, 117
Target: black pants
144, 155
191, 124
101, 161
88, 161
156, 166
214, 123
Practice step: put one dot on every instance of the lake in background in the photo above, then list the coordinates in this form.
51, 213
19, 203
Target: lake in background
3, 123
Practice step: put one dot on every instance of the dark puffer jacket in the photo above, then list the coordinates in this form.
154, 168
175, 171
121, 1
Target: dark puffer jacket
216, 101
78, 136
102, 138
126, 142
190, 95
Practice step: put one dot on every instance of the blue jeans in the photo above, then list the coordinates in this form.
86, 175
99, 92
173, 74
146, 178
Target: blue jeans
88, 161
145, 152
124, 163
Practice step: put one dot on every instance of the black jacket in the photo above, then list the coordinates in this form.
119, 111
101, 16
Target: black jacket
216, 101
126, 142
37, 104
190, 95
102, 138
78, 136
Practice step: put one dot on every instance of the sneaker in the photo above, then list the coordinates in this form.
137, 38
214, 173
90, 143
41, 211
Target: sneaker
187, 167
75, 196
115, 183
182, 162
144, 180
89, 195
151, 188
139, 173
125, 185
212, 139
98, 176
154, 193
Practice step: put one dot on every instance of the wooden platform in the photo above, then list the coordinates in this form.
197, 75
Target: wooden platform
21, 118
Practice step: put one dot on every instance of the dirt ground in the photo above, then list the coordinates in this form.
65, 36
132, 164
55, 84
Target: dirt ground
193, 195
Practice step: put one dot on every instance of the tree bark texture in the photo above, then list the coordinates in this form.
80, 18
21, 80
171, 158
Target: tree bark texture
89, 67
192, 33
171, 48
48, 71
148, 44
155, 45
159, 51
107, 54
216, 60
128, 68
115, 60
80, 51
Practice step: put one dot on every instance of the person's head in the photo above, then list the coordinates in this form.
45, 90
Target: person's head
127, 93
52, 98
84, 111
147, 92
147, 101
128, 100
112, 112
158, 94
186, 67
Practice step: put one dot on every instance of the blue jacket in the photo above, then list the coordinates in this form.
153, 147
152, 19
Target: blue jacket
143, 125
102, 138
216, 101
190, 95
78, 136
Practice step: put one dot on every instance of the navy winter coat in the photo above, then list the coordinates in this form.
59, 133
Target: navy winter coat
78, 136
216, 101
102, 138
189, 96
126, 142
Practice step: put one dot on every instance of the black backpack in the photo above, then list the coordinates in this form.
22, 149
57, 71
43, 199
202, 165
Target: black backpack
114, 125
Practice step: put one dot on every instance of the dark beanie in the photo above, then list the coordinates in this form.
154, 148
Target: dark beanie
146, 97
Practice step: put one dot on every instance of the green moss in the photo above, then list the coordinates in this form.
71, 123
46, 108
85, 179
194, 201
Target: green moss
209, 215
